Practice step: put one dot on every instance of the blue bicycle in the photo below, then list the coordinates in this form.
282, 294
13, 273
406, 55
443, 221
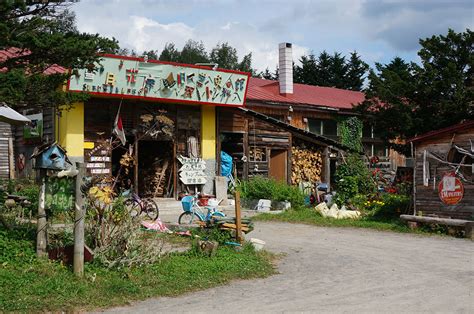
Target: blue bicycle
192, 210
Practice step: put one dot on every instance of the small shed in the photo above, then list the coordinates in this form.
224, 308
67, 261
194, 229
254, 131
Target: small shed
444, 172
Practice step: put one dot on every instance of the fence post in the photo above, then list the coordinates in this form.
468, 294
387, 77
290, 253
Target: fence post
42, 224
79, 213
238, 221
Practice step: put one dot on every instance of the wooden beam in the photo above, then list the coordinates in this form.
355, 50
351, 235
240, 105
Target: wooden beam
79, 217
443, 221
238, 221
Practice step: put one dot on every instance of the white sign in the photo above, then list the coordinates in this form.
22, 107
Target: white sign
95, 165
100, 158
100, 171
192, 170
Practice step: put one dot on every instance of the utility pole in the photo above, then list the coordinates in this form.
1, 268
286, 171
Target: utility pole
79, 217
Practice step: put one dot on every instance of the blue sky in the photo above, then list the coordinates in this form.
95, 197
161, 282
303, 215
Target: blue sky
378, 30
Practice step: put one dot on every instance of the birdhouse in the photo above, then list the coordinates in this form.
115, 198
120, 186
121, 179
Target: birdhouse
50, 156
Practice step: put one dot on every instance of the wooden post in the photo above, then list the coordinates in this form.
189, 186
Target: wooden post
79, 213
238, 221
41, 237
11, 159
135, 171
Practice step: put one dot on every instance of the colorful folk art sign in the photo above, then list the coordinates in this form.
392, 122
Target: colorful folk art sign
450, 189
128, 77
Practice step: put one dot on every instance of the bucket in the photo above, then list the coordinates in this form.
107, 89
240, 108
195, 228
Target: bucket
257, 244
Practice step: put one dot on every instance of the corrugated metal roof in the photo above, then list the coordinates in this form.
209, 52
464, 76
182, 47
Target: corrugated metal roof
453, 128
17, 52
269, 91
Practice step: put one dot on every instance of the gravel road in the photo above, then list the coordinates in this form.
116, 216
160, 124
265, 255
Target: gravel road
342, 270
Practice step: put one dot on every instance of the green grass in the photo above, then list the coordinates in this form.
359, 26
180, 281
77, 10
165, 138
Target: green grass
310, 216
27, 284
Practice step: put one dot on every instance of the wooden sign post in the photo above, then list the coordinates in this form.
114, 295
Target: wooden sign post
79, 213
238, 220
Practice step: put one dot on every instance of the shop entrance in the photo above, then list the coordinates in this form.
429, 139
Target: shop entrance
155, 168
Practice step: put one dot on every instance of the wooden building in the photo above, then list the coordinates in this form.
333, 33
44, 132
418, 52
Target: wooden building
444, 172
316, 110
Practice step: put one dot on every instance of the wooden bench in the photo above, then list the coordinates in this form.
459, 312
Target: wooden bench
466, 224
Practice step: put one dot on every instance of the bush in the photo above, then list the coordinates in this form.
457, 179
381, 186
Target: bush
385, 207
263, 188
31, 192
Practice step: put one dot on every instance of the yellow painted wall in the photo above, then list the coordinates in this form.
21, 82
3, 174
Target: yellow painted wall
71, 130
208, 132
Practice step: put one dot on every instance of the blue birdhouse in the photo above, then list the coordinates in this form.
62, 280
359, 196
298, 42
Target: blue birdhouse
50, 156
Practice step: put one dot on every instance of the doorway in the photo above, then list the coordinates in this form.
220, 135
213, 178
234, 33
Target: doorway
155, 168
278, 165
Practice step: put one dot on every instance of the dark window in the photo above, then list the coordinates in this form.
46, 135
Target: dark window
380, 150
330, 127
314, 125
367, 131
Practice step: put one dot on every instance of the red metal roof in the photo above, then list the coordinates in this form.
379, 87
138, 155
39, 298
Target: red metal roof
17, 52
453, 128
269, 91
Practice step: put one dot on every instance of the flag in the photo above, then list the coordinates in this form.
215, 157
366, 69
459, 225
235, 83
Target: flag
118, 127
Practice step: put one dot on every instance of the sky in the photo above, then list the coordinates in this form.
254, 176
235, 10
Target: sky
377, 30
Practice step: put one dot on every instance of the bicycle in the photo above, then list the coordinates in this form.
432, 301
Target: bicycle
192, 210
136, 206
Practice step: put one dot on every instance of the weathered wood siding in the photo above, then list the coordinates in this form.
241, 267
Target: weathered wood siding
22, 146
5, 136
426, 197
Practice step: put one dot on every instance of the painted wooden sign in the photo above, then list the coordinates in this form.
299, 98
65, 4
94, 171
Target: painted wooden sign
450, 189
129, 77
192, 170
60, 193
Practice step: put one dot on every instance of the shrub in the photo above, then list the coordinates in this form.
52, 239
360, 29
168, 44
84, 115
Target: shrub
387, 206
264, 188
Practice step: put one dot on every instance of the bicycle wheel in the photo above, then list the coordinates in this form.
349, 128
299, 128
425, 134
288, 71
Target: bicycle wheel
151, 209
133, 207
187, 218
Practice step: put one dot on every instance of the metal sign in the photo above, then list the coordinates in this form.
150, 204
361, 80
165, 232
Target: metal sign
192, 170
130, 77
450, 189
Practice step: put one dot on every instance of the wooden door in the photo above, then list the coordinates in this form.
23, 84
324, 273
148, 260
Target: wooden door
278, 165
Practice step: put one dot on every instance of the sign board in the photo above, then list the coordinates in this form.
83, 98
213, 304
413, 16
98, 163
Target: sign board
130, 77
450, 189
33, 130
192, 170
60, 193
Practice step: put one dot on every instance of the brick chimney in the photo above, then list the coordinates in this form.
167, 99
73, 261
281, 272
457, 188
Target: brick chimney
285, 68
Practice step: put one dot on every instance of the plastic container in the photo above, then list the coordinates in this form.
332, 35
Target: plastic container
257, 244
213, 202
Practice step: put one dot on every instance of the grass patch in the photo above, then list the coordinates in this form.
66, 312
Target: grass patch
27, 284
309, 216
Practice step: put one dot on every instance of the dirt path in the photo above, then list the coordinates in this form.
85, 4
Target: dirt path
343, 270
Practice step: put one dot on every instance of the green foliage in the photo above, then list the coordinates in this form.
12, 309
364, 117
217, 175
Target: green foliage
31, 192
214, 234
264, 188
331, 70
406, 99
28, 284
193, 52
351, 133
45, 33
17, 246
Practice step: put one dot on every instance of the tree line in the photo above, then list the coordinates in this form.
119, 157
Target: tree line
403, 99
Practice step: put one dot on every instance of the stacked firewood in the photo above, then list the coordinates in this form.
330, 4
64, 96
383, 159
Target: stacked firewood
306, 164
156, 179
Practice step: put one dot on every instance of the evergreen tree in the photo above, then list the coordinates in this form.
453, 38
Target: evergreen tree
45, 34
307, 72
338, 71
225, 56
323, 70
151, 54
246, 64
356, 72
170, 53
407, 99
193, 52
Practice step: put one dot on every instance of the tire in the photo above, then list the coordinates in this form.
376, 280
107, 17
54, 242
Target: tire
151, 209
133, 208
187, 218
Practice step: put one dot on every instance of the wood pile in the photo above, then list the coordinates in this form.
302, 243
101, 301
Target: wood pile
306, 164
156, 178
